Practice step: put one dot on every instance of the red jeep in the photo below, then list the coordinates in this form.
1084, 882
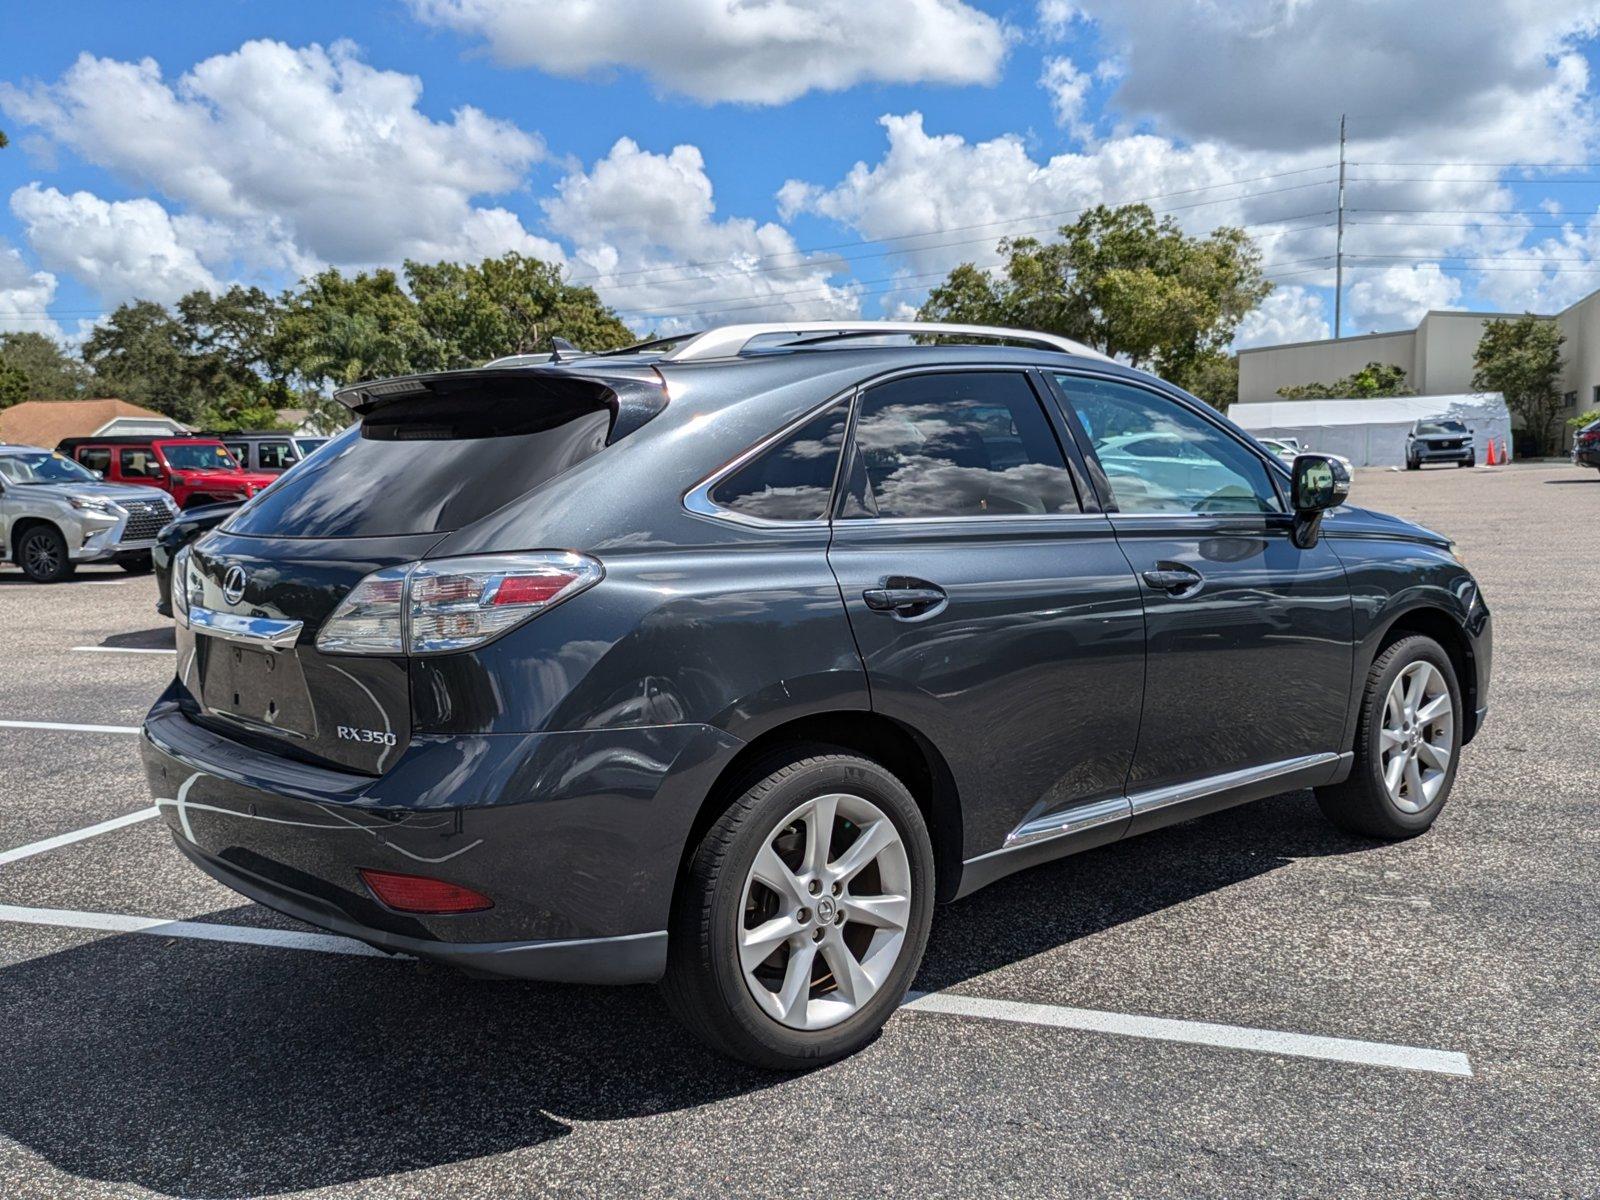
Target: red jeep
194, 470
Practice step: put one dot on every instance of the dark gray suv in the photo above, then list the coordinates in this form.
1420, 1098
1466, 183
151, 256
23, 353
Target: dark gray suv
719, 661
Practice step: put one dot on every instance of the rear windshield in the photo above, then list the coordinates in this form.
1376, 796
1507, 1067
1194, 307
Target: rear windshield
427, 466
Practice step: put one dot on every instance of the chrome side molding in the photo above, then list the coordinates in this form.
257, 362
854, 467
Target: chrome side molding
262, 633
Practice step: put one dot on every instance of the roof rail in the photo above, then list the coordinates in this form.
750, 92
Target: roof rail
726, 341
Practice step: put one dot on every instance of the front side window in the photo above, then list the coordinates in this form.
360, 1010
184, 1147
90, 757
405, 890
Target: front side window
240, 451
96, 458
963, 444
273, 456
139, 463
1161, 458
791, 480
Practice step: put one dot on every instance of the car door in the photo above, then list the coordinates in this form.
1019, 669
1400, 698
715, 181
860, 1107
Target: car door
993, 609
1249, 636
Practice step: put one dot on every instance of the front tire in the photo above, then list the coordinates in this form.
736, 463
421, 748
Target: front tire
137, 564
1412, 464
42, 555
1408, 742
803, 913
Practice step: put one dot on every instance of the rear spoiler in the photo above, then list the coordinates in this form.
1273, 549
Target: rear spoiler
633, 394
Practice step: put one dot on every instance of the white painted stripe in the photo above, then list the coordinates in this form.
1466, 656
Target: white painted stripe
120, 650
1200, 1033
69, 728
77, 835
284, 939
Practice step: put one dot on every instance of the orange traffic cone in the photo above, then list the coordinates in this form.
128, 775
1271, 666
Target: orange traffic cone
1490, 462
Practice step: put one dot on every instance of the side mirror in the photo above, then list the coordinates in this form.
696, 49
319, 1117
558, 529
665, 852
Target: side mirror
1318, 482
98, 474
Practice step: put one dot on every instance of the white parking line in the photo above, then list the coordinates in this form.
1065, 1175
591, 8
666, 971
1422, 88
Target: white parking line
1200, 1033
69, 728
120, 650
285, 939
77, 835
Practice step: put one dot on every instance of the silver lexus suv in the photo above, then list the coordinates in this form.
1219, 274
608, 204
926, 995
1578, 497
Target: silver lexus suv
55, 514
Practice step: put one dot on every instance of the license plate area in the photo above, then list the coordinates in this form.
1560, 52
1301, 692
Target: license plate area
263, 689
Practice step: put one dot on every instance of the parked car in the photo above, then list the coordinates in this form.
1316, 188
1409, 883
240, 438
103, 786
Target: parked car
718, 661
174, 536
271, 453
1586, 445
1443, 441
55, 514
1284, 448
192, 470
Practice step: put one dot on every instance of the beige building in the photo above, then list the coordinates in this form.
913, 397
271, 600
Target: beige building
1436, 356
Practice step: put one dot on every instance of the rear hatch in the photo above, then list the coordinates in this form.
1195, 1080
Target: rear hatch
431, 455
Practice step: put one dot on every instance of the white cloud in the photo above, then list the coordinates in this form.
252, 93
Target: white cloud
1276, 73
297, 156
123, 249
1068, 89
1289, 314
1055, 17
635, 217
25, 294
762, 51
1399, 297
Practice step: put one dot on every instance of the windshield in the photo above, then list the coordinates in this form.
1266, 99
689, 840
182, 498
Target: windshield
198, 456
43, 467
1427, 427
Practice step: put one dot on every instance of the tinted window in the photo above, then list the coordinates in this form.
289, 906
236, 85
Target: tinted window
1161, 458
967, 444
198, 456
273, 456
793, 480
96, 458
427, 467
138, 463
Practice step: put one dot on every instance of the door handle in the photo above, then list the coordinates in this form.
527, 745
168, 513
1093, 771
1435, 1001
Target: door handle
1174, 579
903, 600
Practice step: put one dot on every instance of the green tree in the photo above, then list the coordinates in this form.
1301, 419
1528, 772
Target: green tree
52, 373
13, 384
1214, 377
143, 354
1521, 359
507, 305
1120, 280
1584, 418
230, 357
1374, 379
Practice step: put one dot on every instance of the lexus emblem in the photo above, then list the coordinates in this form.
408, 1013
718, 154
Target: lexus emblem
233, 584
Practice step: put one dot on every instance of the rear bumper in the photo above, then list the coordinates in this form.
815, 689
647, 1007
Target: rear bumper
576, 837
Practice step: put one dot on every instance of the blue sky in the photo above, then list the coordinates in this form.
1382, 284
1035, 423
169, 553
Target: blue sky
702, 161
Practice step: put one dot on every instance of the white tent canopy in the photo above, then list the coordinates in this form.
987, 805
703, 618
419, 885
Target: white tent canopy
1372, 433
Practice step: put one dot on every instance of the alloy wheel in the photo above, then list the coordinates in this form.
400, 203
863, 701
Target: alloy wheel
39, 555
824, 911
1417, 737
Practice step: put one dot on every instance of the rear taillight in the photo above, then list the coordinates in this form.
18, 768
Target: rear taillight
183, 589
419, 894
452, 603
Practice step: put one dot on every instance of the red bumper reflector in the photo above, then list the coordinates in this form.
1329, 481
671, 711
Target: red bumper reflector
419, 894
531, 589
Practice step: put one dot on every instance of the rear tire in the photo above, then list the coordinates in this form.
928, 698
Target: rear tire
845, 936
1397, 787
42, 555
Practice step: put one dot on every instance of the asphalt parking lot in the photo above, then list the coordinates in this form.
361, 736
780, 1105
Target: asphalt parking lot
1400, 1020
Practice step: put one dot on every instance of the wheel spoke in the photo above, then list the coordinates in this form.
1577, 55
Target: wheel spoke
796, 981
886, 912
1388, 739
772, 871
853, 983
1436, 757
1434, 709
819, 833
863, 850
756, 945
1414, 783
1393, 772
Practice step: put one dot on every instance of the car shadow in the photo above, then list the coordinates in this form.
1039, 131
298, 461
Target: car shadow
160, 638
1590, 480
196, 1068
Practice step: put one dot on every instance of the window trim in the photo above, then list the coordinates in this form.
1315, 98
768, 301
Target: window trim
698, 498
1277, 470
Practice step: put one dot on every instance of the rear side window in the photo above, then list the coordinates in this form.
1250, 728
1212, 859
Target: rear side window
964, 444
792, 480
139, 464
428, 466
